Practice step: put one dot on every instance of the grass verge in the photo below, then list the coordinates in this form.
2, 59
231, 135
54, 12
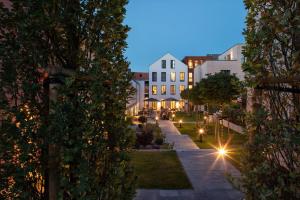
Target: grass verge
159, 170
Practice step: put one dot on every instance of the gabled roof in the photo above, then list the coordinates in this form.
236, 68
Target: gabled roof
168, 54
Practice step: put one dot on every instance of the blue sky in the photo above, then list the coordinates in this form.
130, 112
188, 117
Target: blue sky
181, 27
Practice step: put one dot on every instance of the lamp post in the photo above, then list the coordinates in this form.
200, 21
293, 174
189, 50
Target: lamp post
156, 120
180, 122
201, 132
205, 121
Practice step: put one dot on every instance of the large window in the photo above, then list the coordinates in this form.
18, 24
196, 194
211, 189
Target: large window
190, 87
173, 89
163, 89
173, 104
181, 88
154, 76
154, 89
163, 64
154, 105
190, 64
163, 77
182, 74
172, 64
163, 104
190, 77
225, 71
173, 76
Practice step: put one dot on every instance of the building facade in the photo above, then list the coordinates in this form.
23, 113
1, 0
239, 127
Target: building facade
194, 61
168, 76
137, 102
230, 61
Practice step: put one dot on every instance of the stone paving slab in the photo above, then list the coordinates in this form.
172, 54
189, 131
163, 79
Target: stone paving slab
145, 194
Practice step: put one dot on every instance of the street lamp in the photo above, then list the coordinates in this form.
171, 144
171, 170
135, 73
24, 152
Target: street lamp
201, 132
180, 122
222, 151
156, 120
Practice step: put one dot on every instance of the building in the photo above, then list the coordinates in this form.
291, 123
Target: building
167, 78
140, 83
230, 61
192, 62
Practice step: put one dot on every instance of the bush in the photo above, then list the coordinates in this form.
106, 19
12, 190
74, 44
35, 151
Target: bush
235, 114
142, 119
158, 136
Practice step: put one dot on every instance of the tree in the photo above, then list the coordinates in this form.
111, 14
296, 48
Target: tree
271, 165
216, 89
64, 83
219, 88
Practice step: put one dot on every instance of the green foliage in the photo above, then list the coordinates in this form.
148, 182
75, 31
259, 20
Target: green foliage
215, 89
271, 165
234, 113
77, 128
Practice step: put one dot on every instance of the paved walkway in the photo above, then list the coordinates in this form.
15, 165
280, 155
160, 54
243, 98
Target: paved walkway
205, 172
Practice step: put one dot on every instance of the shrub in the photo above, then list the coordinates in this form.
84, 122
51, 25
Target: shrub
235, 114
142, 119
158, 136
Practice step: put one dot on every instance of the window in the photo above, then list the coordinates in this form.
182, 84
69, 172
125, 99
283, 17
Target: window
173, 90
173, 104
163, 104
163, 89
173, 76
182, 76
196, 63
154, 89
190, 64
172, 64
154, 76
181, 88
190, 77
163, 77
154, 105
190, 87
225, 71
163, 64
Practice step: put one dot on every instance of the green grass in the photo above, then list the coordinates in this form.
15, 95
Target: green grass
159, 170
186, 117
233, 140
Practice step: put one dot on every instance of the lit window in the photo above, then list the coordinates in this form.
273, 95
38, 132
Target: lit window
163, 77
172, 64
190, 77
163, 89
172, 89
181, 88
182, 76
173, 76
163, 64
154, 89
196, 62
154, 76
190, 86
163, 104
154, 105
190, 64
173, 104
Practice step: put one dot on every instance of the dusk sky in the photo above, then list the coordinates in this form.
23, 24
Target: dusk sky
181, 27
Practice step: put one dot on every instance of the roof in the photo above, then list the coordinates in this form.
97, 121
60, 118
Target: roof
141, 76
207, 57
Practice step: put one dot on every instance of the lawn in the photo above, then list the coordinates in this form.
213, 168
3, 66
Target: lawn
186, 117
233, 140
159, 170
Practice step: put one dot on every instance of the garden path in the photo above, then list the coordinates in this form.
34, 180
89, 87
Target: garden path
205, 171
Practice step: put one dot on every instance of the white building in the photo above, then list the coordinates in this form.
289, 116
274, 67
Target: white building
230, 61
167, 78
